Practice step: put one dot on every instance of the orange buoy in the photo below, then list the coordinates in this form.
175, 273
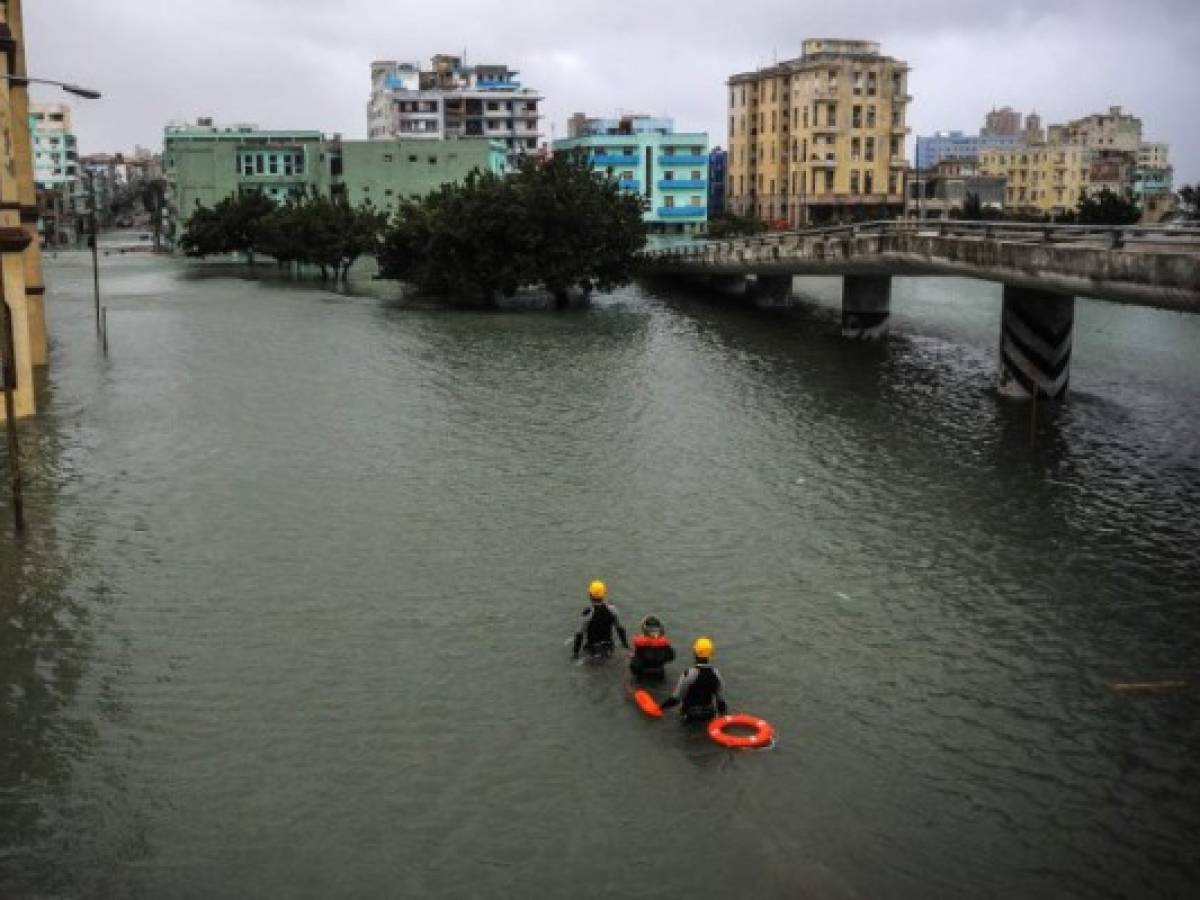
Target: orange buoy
647, 704
761, 733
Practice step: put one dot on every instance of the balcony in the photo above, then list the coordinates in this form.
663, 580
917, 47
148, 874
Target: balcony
669, 184
614, 159
683, 159
683, 212
629, 184
828, 162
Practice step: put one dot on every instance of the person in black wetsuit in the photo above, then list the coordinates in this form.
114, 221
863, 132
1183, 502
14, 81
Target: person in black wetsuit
595, 634
698, 693
651, 651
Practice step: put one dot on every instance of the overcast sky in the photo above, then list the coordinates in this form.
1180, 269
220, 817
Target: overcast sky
305, 63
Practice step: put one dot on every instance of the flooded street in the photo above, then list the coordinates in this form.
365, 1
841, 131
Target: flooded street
291, 615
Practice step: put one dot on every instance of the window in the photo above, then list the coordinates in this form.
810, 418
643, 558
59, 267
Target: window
869, 149
258, 163
412, 157
696, 201
732, 131
871, 116
433, 160
669, 175
273, 164
855, 152
696, 176
831, 115
300, 163
854, 181
669, 201
627, 176
868, 182
387, 157
856, 117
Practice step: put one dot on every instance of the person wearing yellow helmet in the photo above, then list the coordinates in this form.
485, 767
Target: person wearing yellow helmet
699, 691
596, 627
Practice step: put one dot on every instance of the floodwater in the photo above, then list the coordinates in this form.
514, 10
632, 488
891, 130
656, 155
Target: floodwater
291, 615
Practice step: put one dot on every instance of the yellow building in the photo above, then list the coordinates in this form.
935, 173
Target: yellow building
1046, 179
821, 137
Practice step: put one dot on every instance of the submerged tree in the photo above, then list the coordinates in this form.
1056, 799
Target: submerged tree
307, 229
232, 226
556, 224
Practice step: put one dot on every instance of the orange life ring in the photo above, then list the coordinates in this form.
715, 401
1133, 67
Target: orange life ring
762, 734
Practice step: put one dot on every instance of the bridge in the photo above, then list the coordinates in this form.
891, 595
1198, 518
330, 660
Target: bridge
1042, 268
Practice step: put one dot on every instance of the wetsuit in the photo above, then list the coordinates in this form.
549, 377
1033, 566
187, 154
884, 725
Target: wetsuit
650, 654
596, 628
699, 692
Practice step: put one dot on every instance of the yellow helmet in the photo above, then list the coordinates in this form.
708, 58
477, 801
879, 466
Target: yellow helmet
597, 590
703, 648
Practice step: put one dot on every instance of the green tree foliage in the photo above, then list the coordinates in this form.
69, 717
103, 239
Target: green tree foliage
153, 194
1106, 208
729, 225
555, 224
308, 229
232, 226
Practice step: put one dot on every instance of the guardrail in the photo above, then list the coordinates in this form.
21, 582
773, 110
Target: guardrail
1115, 237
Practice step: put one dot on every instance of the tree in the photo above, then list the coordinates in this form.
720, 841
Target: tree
153, 194
1106, 208
554, 224
1189, 195
232, 226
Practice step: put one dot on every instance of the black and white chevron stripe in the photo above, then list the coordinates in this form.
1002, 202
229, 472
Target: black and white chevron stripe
1035, 343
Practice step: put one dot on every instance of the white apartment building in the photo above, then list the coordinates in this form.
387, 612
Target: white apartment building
452, 100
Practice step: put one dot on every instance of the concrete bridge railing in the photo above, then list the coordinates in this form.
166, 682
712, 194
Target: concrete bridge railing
1042, 267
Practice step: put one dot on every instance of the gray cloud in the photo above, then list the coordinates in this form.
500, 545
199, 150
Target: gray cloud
303, 63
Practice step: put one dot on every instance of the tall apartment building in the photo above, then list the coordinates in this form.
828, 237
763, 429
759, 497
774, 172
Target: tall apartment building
819, 137
204, 163
55, 154
647, 156
1003, 122
1040, 180
453, 100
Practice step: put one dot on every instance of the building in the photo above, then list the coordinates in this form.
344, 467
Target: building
932, 149
820, 137
56, 172
55, 154
453, 100
668, 169
943, 191
22, 312
718, 164
1003, 122
1114, 130
205, 163
1153, 177
1045, 180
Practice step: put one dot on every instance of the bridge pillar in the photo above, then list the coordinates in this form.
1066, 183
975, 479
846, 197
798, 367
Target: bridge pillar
866, 306
1035, 343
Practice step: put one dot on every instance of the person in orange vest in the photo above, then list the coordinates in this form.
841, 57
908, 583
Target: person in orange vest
595, 634
651, 651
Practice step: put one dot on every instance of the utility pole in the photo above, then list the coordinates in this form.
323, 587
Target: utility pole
8, 373
95, 240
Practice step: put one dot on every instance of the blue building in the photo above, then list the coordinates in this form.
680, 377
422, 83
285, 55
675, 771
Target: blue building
718, 162
669, 169
933, 148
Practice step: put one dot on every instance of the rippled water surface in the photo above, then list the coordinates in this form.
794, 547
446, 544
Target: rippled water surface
290, 616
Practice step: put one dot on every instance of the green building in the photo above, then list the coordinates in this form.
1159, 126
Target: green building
204, 164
